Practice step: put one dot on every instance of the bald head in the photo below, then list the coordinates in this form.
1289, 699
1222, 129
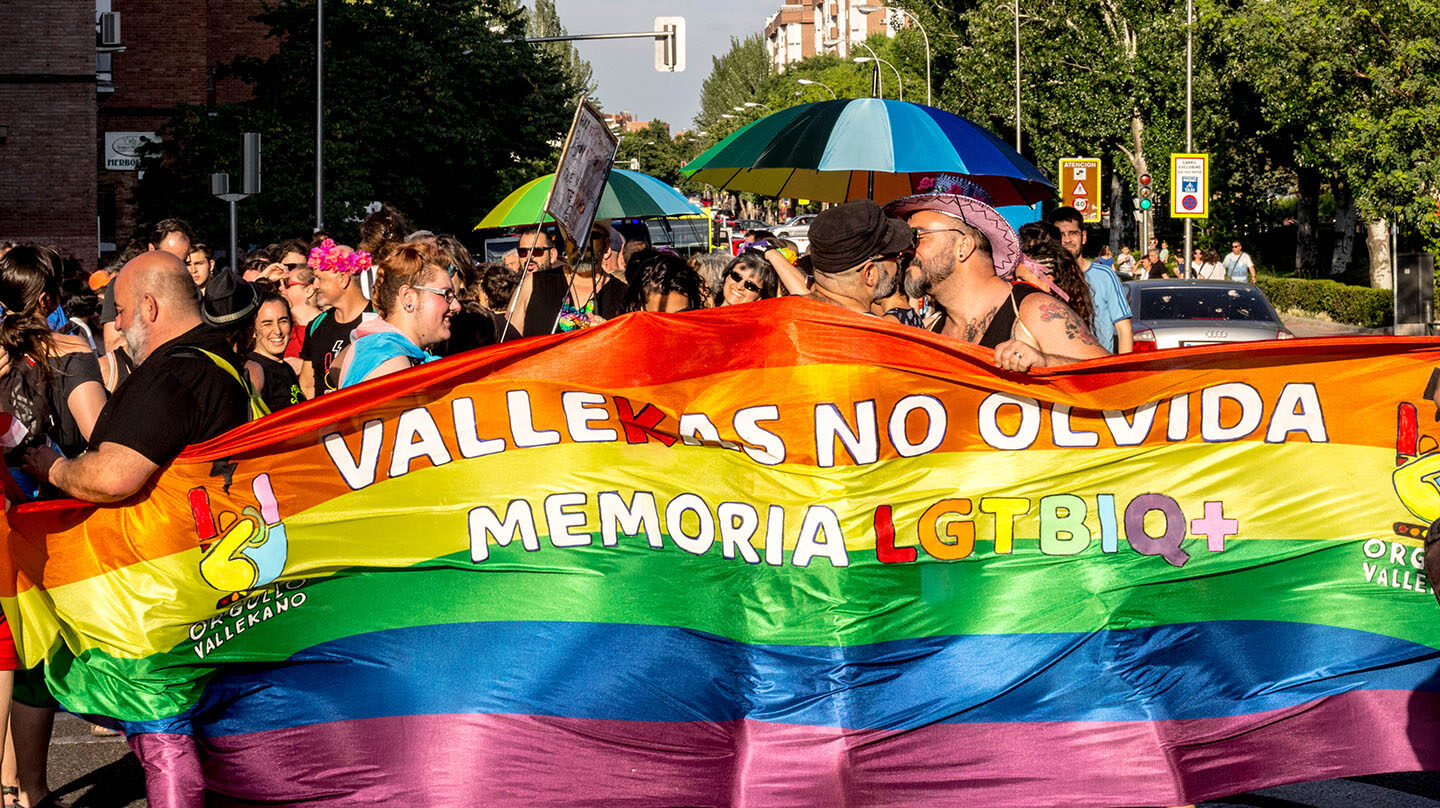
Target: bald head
155, 301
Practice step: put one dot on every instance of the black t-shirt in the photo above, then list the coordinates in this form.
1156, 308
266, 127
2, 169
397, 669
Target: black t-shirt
281, 386
324, 340
69, 371
175, 398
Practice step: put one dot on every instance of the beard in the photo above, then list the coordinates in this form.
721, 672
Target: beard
136, 337
932, 271
886, 287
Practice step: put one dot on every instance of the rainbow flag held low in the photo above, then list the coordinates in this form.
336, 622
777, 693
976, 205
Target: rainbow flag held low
769, 555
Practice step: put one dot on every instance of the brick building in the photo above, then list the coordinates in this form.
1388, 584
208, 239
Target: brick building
801, 28
47, 126
74, 107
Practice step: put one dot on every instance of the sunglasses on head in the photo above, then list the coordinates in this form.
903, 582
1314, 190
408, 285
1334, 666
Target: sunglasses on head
732, 275
526, 252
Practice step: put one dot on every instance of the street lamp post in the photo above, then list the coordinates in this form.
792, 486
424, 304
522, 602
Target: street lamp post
1017, 75
869, 9
860, 60
319, 115
812, 82
879, 79
1189, 135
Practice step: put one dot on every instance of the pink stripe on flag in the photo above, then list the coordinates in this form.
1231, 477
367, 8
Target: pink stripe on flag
518, 760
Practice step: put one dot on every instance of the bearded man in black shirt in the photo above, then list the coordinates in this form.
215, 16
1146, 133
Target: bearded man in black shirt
179, 393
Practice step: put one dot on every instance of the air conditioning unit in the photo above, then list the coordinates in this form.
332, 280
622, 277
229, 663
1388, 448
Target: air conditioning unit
110, 29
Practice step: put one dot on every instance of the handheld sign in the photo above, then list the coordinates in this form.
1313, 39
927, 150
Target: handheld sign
585, 164
1080, 186
1190, 186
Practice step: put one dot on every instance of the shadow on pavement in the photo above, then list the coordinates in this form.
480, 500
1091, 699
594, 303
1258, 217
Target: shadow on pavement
113, 785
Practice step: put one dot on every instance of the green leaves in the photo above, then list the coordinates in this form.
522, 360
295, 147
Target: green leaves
427, 107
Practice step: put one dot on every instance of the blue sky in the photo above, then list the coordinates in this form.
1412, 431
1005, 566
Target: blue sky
624, 68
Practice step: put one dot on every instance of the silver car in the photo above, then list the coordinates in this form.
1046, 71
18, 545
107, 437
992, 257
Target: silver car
797, 229
1179, 313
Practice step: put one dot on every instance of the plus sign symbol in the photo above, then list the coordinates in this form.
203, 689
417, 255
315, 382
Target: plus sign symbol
1215, 527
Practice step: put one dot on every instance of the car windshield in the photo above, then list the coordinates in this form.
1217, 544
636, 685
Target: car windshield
1201, 303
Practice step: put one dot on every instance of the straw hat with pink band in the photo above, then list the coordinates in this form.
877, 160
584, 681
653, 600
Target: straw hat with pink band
960, 198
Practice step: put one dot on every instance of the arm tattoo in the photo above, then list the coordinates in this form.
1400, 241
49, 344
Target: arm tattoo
1075, 329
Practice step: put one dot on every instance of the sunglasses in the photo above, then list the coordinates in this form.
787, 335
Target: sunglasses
448, 294
526, 252
294, 266
732, 275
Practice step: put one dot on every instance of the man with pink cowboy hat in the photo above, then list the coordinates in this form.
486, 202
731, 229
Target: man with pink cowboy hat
966, 257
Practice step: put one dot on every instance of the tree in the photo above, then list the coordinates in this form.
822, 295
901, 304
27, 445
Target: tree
1343, 93
441, 125
735, 77
544, 20
654, 150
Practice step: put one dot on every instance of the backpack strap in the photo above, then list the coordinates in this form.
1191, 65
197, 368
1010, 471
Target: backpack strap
315, 323
258, 407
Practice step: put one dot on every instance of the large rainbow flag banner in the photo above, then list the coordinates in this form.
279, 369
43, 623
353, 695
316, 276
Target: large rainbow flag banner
769, 555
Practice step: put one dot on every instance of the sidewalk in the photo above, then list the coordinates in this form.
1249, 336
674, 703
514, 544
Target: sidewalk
1310, 327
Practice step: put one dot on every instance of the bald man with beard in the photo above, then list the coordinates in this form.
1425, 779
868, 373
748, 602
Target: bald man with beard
179, 394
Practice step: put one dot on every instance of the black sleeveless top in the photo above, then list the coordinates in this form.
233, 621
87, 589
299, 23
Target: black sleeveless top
1002, 325
282, 386
551, 289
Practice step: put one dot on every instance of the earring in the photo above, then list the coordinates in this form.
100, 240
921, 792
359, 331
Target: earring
409, 307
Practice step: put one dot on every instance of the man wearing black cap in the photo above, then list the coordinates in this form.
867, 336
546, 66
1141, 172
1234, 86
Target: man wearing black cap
178, 395
855, 252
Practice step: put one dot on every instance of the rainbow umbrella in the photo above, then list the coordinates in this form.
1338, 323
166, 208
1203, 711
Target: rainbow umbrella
628, 194
855, 148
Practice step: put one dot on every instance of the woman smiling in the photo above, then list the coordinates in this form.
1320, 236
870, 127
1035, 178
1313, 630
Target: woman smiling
416, 299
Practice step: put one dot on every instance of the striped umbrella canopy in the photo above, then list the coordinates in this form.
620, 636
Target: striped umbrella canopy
628, 194
856, 148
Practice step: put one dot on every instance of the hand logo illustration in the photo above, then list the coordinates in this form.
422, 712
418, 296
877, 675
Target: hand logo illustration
246, 551
1417, 474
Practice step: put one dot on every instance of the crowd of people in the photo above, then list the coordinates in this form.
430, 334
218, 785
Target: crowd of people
1158, 262
106, 378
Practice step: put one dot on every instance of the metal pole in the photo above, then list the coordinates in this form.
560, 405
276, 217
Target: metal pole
1189, 135
878, 84
1017, 75
234, 242
319, 115
927, 51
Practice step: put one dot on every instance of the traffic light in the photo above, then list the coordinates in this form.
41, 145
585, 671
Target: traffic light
1147, 192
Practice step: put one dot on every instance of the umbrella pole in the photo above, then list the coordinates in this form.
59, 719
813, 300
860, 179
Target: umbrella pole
870, 184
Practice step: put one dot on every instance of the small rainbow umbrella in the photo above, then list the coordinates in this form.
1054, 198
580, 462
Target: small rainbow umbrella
855, 148
627, 195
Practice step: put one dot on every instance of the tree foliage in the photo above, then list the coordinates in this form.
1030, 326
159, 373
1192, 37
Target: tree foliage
736, 76
544, 20
654, 150
442, 124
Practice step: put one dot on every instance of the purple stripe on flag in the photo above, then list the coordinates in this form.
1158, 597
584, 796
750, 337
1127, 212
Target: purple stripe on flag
173, 777
520, 760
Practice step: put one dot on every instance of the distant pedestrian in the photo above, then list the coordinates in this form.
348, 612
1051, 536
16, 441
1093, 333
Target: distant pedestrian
1152, 267
1125, 262
1239, 267
1206, 265
1110, 313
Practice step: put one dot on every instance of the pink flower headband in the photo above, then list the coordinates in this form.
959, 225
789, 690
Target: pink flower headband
338, 258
